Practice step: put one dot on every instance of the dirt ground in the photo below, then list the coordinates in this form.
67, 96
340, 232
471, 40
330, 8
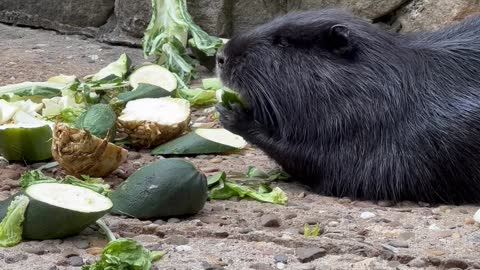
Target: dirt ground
235, 234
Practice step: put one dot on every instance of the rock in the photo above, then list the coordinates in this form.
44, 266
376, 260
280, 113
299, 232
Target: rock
270, 220
183, 248
94, 250
309, 254
290, 216
385, 203
221, 234
261, 266
333, 223
245, 230
406, 235
476, 217
280, 265
81, 243
417, 262
160, 222
146, 238
177, 240
75, 261
434, 227
367, 215
173, 220
15, 258
398, 244
35, 249
432, 14
469, 221
280, 258
456, 263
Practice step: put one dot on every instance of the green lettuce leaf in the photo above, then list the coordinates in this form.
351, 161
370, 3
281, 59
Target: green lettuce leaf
11, 227
198, 96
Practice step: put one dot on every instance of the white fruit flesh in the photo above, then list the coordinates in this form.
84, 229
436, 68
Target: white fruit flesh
155, 75
164, 111
222, 136
69, 197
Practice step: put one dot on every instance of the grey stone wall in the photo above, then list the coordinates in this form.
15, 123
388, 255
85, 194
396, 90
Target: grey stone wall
123, 21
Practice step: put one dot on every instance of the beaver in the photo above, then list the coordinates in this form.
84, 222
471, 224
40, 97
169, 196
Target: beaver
351, 110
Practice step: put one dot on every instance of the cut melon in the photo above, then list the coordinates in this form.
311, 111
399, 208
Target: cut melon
153, 121
59, 210
117, 69
155, 75
202, 141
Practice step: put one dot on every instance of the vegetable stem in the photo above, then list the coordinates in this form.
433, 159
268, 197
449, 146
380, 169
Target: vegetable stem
110, 236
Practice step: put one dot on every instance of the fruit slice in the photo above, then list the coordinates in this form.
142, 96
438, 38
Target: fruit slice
26, 142
153, 121
169, 187
115, 70
202, 141
59, 210
81, 153
32, 90
155, 75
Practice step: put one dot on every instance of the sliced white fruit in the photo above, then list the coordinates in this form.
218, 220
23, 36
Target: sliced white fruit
155, 75
153, 121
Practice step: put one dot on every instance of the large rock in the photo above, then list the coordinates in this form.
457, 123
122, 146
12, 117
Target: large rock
75, 13
432, 14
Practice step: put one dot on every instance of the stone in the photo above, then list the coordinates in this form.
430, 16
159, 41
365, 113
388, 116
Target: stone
419, 15
417, 262
177, 240
476, 216
280, 258
160, 222
308, 254
173, 220
270, 220
81, 243
35, 249
280, 265
183, 248
94, 251
290, 216
75, 261
261, 266
15, 258
245, 230
367, 215
398, 244
406, 235
456, 263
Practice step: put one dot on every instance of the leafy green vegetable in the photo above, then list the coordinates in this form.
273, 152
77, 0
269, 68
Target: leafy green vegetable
115, 71
99, 120
36, 177
307, 232
31, 90
11, 227
211, 84
198, 96
221, 189
166, 38
68, 115
271, 176
123, 254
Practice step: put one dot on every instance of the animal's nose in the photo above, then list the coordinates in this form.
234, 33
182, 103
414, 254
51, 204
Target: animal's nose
220, 58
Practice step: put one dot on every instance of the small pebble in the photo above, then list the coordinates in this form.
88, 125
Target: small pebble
305, 255
177, 240
81, 243
398, 244
367, 215
183, 248
290, 216
216, 160
75, 261
385, 203
173, 220
417, 262
160, 222
94, 251
38, 250
280, 258
280, 265
245, 230
270, 220
434, 227
16, 258
333, 223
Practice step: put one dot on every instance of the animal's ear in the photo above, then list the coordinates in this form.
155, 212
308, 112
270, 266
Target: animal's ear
339, 39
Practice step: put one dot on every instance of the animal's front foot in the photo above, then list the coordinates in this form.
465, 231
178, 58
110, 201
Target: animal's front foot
237, 119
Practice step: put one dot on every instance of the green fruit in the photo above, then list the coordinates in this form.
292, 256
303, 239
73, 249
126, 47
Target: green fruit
99, 119
169, 187
154, 75
26, 142
59, 210
202, 141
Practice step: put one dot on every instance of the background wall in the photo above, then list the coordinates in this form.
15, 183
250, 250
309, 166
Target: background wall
123, 21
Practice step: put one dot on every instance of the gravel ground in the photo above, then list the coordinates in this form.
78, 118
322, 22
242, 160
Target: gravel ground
235, 234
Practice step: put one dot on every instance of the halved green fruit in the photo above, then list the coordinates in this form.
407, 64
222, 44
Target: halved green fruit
32, 90
59, 210
26, 142
169, 187
202, 141
155, 75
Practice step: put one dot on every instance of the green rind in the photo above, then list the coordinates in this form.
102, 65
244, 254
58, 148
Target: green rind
144, 90
166, 188
43, 221
98, 120
26, 144
230, 97
191, 144
33, 89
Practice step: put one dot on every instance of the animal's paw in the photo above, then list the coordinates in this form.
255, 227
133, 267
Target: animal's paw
237, 119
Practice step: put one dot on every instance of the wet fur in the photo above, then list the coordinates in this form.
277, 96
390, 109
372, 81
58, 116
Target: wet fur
381, 117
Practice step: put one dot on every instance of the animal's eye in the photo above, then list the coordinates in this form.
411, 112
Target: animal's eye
281, 42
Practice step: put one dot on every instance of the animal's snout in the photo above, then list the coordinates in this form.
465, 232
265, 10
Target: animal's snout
220, 58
